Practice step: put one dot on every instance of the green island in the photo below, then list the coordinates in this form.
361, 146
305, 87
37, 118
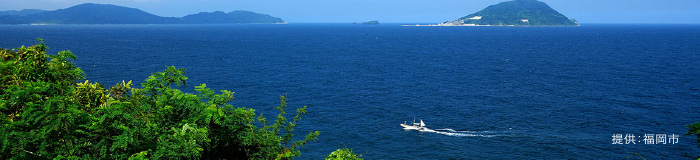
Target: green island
50, 111
90, 13
371, 23
515, 13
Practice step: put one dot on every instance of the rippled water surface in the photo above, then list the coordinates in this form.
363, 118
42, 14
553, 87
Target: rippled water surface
485, 92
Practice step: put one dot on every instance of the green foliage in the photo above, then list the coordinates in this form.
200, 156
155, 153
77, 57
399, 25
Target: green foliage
48, 110
694, 129
343, 154
39, 117
287, 150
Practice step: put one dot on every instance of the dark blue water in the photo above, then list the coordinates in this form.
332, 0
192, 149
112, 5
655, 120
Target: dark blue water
497, 92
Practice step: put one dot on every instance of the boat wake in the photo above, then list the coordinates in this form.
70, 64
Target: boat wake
450, 132
456, 133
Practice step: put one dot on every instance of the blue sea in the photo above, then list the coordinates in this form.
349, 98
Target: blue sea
484, 92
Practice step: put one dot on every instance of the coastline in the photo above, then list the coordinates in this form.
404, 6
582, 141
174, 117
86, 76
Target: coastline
477, 25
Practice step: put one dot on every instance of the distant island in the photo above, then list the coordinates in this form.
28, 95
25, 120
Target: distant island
23, 12
371, 23
90, 13
514, 13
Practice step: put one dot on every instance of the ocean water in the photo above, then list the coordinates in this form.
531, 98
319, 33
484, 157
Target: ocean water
485, 92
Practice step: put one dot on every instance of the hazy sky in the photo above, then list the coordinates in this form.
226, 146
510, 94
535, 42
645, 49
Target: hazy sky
396, 11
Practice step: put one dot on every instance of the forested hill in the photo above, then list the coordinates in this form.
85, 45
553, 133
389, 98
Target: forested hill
231, 17
23, 12
90, 13
518, 13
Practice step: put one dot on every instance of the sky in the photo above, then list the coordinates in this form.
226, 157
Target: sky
395, 11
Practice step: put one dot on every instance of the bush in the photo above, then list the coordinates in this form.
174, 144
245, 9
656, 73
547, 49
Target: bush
50, 111
343, 154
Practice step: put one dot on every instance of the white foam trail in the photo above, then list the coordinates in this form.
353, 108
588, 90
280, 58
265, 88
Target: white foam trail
446, 129
452, 132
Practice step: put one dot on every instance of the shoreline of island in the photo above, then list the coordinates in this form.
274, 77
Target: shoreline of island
449, 25
478, 25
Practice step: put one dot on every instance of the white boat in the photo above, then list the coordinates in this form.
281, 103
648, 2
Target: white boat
414, 125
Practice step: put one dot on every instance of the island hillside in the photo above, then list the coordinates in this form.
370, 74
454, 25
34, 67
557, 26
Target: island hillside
371, 23
90, 13
515, 13
231, 17
23, 12
15, 17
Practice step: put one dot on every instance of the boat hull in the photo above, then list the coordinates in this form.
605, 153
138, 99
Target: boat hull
408, 127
